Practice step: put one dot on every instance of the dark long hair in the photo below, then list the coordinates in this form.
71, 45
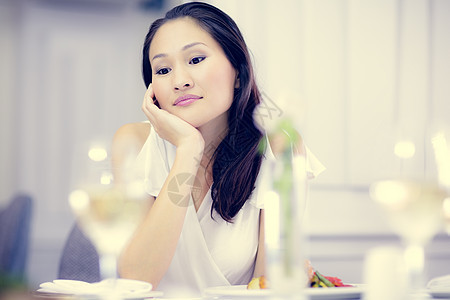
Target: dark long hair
236, 161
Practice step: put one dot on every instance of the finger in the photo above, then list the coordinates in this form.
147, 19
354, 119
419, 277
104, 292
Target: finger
149, 92
148, 106
150, 113
149, 95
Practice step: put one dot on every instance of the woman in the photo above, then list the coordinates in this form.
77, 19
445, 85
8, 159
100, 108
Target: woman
199, 157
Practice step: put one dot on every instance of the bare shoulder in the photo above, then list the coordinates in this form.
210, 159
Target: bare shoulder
138, 131
129, 139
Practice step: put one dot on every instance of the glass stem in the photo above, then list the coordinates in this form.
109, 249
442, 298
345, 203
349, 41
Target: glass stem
415, 262
108, 270
108, 266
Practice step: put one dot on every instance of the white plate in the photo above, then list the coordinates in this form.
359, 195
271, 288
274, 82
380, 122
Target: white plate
127, 288
53, 295
352, 292
241, 291
443, 292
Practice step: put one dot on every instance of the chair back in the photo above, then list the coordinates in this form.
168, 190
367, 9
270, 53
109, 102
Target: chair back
79, 259
15, 221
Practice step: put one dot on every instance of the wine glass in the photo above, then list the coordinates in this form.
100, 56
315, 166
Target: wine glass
108, 203
441, 147
446, 212
412, 199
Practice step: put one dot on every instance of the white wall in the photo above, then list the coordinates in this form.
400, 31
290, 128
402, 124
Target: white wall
8, 74
71, 73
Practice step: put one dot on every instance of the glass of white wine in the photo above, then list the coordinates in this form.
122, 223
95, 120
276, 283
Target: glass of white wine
412, 199
108, 210
446, 212
441, 149
413, 209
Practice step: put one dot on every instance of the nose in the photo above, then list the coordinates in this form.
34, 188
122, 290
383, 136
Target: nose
182, 80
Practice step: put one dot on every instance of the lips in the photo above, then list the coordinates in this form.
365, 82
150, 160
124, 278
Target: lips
186, 100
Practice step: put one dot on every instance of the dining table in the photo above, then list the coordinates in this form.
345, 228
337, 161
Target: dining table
356, 291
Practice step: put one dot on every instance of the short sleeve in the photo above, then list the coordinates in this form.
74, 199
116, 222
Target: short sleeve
313, 166
152, 164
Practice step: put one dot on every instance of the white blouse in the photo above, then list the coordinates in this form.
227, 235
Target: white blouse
210, 251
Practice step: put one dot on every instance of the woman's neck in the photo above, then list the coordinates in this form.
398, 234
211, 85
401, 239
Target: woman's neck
213, 133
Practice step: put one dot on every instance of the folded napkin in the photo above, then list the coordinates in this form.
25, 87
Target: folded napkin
126, 288
439, 282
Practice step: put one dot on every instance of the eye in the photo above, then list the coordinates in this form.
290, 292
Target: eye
196, 60
162, 71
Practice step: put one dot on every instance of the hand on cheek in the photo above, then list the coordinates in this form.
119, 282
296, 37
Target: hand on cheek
168, 126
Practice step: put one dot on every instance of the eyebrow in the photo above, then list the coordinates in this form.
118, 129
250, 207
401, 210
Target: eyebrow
183, 49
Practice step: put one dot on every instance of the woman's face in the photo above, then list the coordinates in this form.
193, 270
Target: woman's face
191, 76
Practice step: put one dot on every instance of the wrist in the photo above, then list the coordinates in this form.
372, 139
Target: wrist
192, 149
193, 145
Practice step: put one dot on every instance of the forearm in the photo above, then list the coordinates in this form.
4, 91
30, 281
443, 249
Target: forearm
150, 251
260, 263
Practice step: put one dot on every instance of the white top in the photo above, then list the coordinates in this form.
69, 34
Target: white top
210, 251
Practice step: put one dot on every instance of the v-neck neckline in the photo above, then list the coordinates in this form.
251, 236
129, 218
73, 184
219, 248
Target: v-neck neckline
200, 212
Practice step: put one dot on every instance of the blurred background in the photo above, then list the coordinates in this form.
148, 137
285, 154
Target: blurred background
348, 71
